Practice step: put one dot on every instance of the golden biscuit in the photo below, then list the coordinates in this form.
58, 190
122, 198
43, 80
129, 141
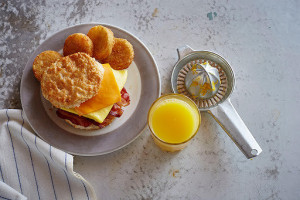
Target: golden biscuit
103, 40
78, 42
122, 54
43, 61
72, 80
90, 127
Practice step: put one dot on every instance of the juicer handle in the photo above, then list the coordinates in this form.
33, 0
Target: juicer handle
233, 125
183, 51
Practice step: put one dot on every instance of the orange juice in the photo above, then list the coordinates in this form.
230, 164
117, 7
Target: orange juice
173, 119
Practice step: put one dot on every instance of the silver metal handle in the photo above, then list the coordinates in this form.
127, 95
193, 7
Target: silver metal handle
233, 125
183, 51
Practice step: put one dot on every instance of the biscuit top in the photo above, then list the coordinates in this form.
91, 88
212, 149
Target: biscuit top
72, 80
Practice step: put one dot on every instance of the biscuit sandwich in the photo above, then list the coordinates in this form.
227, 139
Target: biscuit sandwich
87, 94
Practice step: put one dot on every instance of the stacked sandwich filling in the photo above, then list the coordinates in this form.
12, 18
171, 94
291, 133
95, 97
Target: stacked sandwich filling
116, 111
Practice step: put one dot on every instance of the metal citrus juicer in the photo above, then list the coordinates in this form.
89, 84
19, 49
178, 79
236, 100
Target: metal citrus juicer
208, 79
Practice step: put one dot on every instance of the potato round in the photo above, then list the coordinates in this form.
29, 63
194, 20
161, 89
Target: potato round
103, 40
121, 56
72, 80
78, 42
43, 61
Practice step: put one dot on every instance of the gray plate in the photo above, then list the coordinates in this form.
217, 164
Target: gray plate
143, 85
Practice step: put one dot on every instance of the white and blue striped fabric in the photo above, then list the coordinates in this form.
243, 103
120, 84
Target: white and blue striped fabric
32, 169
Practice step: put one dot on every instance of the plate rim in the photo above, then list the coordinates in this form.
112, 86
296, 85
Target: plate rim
72, 27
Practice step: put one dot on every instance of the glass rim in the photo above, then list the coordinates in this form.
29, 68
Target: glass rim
186, 98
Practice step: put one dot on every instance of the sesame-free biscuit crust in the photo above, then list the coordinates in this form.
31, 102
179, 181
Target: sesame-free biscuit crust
72, 80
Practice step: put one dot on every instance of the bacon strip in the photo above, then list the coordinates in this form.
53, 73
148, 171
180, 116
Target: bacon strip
125, 99
75, 119
116, 111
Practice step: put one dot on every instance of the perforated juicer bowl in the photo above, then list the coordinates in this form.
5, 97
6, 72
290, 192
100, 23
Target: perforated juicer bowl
219, 106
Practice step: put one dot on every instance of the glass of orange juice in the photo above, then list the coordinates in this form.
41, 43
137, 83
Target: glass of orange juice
173, 119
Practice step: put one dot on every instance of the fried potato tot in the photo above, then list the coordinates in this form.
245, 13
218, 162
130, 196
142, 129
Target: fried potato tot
121, 56
103, 40
43, 61
78, 42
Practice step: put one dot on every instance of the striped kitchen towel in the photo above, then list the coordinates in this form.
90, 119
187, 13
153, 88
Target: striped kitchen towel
32, 169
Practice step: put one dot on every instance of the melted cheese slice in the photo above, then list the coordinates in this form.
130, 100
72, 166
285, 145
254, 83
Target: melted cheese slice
119, 77
108, 94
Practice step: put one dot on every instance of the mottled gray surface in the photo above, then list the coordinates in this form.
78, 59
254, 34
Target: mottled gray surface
261, 41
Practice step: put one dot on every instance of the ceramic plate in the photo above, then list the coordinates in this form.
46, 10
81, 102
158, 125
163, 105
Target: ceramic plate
143, 86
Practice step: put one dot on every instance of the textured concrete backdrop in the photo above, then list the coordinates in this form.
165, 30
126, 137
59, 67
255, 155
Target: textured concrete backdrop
261, 41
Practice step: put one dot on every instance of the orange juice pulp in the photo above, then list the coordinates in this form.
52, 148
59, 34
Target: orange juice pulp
174, 121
